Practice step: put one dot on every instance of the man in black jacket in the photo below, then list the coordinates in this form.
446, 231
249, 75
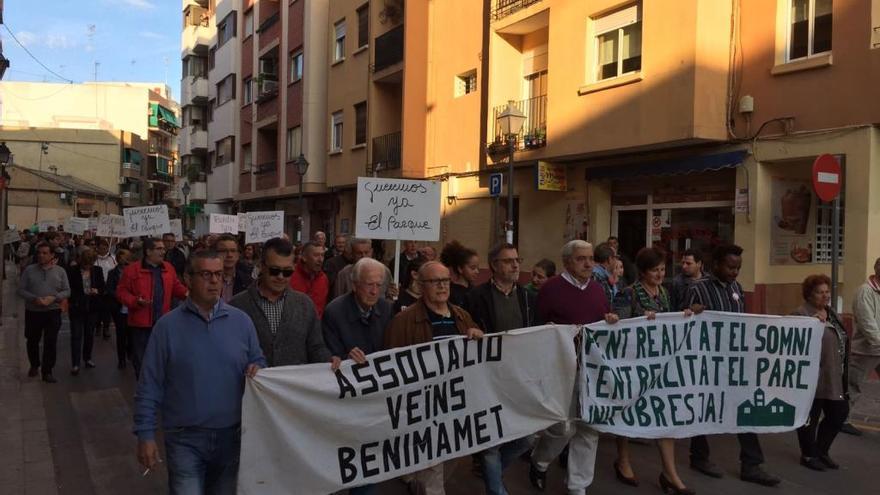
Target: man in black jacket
499, 305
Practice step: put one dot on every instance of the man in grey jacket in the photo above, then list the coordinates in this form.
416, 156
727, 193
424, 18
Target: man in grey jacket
286, 321
865, 347
43, 286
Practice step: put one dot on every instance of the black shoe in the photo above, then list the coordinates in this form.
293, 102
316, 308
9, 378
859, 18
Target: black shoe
33, 371
48, 378
812, 463
563, 458
849, 429
755, 474
537, 478
707, 467
120, 365
74, 371
828, 462
668, 488
623, 479
90, 364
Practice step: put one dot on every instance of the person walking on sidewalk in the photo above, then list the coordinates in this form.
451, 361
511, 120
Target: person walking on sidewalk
43, 286
86, 290
146, 289
865, 340
119, 311
107, 262
198, 394
721, 292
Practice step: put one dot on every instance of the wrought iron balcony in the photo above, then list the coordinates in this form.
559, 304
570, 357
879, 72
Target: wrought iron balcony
386, 152
534, 130
504, 8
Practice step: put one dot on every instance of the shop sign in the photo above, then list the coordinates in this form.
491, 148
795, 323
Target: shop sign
742, 200
793, 222
551, 177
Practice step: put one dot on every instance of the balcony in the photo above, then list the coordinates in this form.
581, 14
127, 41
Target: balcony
198, 140
265, 168
171, 195
194, 90
386, 153
504, 8
131, 198
534, 130
156, 149
130, 169
389, 50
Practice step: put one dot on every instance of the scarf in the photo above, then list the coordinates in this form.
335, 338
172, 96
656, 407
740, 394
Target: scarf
660, 304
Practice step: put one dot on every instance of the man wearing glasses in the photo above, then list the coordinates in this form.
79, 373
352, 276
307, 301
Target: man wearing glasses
198, 393
146, 289
236, 277
286, 321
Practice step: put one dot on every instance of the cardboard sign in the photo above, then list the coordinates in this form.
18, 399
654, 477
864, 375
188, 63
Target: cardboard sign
11, 236
223, 224
264, 225
150, 220
242, 222
44, 225
93, 223
177, 229
111, 226
76, 225
398, 209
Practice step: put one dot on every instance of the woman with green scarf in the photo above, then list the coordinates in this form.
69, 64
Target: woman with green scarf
647, 297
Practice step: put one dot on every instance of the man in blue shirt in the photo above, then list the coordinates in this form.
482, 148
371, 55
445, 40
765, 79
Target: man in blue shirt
194, 373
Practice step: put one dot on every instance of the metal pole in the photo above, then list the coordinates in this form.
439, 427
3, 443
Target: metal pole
3, 242
835, 251
39, 177
511, 144
302, 211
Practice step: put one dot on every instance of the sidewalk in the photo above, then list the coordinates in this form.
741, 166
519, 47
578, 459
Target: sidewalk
26, 463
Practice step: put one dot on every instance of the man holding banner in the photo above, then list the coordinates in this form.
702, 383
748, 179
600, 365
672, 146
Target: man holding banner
720, 291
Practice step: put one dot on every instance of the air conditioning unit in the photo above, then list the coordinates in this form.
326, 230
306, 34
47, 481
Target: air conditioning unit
269, 87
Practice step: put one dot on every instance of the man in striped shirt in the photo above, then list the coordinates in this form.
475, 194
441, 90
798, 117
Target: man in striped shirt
721, 292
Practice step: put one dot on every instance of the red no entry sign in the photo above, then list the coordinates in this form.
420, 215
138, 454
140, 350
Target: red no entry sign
827, 177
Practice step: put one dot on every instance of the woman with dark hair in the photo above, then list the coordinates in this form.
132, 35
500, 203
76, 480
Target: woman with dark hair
86, 288
541, 272
831, 400
647, 297
464, 268
413, 290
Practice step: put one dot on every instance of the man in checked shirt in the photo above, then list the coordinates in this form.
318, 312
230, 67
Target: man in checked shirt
721, 292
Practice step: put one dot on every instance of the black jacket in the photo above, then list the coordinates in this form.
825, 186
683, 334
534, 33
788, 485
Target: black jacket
177, 260
112, 283
479, 306
243, 278
81, 303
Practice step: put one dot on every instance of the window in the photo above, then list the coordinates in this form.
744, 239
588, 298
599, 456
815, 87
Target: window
619, 43
226, 89
363, 26
466, 83
246, 158
825, 230
225, 150
194, 66
247, 90
296, 65
360, 123
294, 143
809, 29
226, 29
211, 104
336, 132
211, 57
339, 42
249, 23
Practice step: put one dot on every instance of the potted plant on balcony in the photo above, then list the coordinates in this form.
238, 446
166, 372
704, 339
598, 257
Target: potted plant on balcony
540, 137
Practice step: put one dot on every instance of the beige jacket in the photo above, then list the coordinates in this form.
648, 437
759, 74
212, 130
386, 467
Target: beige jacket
866, 310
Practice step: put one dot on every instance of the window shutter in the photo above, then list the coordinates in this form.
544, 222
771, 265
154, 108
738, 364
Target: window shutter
618, 19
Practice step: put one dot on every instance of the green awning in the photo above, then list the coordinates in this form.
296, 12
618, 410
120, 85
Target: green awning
159, 113
132, 156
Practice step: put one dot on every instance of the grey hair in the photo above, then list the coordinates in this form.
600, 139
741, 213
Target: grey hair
364, 264
356, 240
570, 246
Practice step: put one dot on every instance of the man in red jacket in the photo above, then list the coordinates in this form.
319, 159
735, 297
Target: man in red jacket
146, 289
309, 277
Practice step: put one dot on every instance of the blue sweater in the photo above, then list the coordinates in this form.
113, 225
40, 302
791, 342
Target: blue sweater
193, 370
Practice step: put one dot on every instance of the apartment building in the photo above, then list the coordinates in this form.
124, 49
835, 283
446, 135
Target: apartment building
4, 62
121, 137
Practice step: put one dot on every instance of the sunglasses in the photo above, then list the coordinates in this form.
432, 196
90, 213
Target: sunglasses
285, 272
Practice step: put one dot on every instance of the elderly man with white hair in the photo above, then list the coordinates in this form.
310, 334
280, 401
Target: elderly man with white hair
571, 298
354, 324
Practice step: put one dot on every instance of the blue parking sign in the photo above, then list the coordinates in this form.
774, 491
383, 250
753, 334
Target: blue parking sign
495, 183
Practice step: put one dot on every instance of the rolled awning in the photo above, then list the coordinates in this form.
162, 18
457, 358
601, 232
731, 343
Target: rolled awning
687, 165
159, 113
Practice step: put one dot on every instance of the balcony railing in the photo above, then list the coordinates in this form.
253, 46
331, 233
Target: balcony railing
265, 168
386, 152
534, 130
133, 166
155, 149
504, 8
389, 49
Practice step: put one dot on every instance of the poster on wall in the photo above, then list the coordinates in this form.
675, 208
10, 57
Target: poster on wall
792, 222
577, 220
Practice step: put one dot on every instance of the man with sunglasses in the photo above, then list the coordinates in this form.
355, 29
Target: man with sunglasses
286, 321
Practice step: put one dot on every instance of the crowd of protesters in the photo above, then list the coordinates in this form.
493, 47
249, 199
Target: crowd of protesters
196, 318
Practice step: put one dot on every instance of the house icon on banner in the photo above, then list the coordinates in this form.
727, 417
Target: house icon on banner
759, 413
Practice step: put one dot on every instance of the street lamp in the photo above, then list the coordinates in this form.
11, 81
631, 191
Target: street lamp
511, 121
185, 189
302, 166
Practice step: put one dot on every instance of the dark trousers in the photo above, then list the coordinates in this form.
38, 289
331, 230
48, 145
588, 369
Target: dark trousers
123, 337
82, 336
42, 325
816, 437
750, 453
102, 326
140, 337
202, 460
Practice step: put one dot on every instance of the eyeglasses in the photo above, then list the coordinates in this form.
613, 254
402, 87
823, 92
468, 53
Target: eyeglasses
370, 285
437, 282
207, 275
275, 271
510, 261
227, 251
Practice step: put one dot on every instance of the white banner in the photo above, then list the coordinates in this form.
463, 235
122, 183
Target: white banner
150, 220
398, 209
223, 224
677, 377
308, 430
264, 225
93, 223
76, 225
176, 228
11, 236
112, 226
242, 222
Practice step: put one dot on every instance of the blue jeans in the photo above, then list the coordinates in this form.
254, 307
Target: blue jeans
203, 460
497, 459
